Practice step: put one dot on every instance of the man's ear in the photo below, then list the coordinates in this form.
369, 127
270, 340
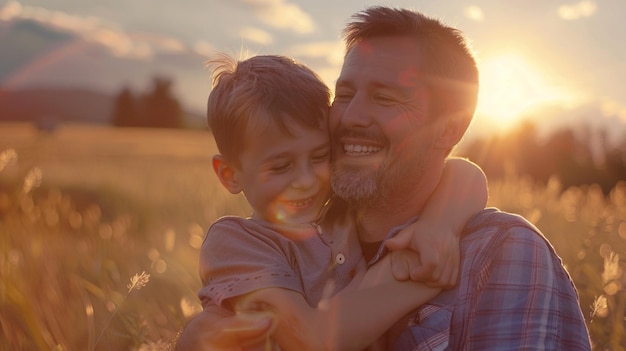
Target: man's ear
454, 129
226, 174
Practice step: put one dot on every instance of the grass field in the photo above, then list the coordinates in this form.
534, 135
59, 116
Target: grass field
100, 230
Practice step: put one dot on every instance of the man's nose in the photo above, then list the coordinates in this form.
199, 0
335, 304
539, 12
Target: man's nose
357, 112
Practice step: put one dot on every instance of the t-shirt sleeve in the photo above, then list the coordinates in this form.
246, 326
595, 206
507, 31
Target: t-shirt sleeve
237, 258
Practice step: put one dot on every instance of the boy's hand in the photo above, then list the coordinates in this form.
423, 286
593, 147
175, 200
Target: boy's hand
212, 332
437, 258
405, 264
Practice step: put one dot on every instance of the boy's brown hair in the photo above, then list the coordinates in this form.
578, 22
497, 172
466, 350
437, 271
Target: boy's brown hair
261, 90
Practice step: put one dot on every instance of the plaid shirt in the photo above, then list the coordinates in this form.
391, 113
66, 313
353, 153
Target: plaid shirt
513, 294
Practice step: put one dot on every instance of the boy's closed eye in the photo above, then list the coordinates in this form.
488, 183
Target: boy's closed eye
280, 167
321, 157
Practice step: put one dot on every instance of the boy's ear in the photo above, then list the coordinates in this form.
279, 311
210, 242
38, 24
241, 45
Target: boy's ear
455, 128
226, 174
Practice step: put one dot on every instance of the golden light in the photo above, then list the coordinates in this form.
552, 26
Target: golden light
509, 86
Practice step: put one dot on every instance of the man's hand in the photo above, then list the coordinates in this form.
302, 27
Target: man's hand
436, 255
215, 331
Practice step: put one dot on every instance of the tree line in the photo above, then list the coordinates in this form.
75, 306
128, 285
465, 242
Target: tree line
156, 108
576, 157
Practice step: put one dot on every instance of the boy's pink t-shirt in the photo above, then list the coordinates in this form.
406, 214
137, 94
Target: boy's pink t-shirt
242, 255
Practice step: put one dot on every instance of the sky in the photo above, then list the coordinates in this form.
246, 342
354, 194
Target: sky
565, 58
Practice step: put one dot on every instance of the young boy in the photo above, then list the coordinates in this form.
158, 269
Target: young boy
298, 255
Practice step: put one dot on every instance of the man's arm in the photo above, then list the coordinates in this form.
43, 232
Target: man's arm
351, 320
461, 193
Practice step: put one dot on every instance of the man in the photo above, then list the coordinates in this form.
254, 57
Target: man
406, 95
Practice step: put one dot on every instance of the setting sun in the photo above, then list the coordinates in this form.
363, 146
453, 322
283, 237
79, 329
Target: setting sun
509, 86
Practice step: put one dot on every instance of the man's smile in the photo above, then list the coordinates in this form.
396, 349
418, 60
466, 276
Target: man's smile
357, 149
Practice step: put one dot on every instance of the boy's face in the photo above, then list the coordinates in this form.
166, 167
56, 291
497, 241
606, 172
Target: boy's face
285, 178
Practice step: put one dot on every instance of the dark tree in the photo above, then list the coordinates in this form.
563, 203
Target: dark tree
156, 108
160, 108
125, 112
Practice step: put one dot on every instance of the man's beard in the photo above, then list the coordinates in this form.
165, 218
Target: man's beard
375, 189
359, 188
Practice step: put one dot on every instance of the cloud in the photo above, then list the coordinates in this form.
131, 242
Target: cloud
614, 108
325, 58
256, 35
10, 11
283, 15
203, 48
92, 29
329, 75
331, 52
474, 13
581, 9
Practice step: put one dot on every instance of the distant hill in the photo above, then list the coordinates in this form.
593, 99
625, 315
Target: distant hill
37, 55
49, 75
23, 41
49, 107
55, 106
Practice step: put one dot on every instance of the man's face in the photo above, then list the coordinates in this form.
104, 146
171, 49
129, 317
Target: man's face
382, 133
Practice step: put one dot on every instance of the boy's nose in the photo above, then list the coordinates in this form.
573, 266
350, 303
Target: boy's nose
304, 177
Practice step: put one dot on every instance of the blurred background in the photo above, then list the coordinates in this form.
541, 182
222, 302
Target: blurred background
105, 171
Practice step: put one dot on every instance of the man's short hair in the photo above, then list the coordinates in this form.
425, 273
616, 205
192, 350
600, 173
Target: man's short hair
446, 56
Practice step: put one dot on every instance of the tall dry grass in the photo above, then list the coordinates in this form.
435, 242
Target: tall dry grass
100, 230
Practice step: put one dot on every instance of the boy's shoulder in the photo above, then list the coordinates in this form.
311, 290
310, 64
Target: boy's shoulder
230, 219
257, 228
239, 233
238, 223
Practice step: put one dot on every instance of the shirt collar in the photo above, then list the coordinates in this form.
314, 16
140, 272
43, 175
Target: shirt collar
382, 250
